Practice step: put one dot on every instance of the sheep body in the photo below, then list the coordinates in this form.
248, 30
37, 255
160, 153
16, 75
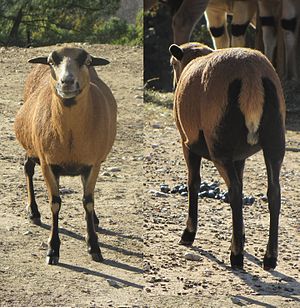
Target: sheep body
228, 105
59, 135
68, 125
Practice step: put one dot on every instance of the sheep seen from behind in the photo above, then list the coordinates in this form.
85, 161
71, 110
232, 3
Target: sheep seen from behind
228, 105
67, 125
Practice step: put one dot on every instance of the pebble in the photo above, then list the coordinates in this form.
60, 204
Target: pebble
192, 257
105, 173
114, 169
157, 193
27, 232
115, 284
165, 188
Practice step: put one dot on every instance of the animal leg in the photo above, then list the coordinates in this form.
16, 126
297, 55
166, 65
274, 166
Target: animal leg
243, 12
52, 182
217, 24
186, 18
89, 181
32, 207
272, 140
193, 162
268, 25
289, 25
232, 173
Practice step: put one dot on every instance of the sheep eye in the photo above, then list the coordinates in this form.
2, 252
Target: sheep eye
88, 62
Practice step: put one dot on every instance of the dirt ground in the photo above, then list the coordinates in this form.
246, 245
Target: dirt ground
144, 265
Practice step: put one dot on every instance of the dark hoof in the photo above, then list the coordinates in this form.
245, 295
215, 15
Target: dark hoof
237, 262
35, 220
52, 260
187, 238
269, 264
97, 257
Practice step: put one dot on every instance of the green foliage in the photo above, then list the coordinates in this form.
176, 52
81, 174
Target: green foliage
45, 22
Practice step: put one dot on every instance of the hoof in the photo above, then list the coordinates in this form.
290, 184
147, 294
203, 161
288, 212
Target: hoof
269, 264
35, 220
187, 238
52, 260
237, 262
97, 257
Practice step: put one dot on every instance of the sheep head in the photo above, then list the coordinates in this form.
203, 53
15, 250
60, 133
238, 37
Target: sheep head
184, 54
69, 70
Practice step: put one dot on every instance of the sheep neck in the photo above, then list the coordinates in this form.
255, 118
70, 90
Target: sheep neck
72, 120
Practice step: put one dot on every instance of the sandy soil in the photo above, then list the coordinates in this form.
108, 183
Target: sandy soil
144, 265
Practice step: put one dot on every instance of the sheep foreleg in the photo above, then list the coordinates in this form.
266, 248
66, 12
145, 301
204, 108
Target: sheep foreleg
32, 207
52, 182
89, 181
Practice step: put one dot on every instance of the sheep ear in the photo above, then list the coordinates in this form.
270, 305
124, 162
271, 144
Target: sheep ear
41, 60
176, 52
99, 61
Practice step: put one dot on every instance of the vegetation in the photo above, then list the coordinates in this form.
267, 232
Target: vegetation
45, 22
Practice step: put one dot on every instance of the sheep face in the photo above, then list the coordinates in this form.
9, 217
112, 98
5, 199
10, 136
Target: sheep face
69, 70
182, 55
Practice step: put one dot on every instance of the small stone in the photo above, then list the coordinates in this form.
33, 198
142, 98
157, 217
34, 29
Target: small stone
192, 257
184, 194
115, 284
27, 232
156, 193
165, 188
114, 169
105, 173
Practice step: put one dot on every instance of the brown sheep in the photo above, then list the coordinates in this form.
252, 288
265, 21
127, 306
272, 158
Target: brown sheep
228, 105
67, 125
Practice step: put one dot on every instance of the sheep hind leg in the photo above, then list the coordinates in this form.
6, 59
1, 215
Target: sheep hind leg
89, 181
193, 163
232, 173
32, 208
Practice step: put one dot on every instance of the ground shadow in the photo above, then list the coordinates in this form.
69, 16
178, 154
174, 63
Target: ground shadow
103, 245
117, 280
284, 285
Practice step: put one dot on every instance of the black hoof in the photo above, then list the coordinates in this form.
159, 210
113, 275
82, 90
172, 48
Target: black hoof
187, 238
35, 220
52, 260
52, 257
269, 264
237, 262
97, 257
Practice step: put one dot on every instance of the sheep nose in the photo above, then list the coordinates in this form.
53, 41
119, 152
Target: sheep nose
68, 80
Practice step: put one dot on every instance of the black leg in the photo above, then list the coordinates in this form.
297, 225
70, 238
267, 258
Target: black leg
32, 208
233, 174
274, 203
193, 163
54, 241
89, 181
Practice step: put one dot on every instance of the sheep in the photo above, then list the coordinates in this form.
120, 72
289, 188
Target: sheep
67, 124
229, 104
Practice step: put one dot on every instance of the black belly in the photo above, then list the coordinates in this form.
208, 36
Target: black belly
70, 170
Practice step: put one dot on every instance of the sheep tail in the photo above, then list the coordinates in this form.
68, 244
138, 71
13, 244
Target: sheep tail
251, 105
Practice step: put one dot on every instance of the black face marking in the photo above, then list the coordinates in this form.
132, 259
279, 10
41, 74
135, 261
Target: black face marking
69, 102
55, 58
70, 170
81, 57
231, 134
